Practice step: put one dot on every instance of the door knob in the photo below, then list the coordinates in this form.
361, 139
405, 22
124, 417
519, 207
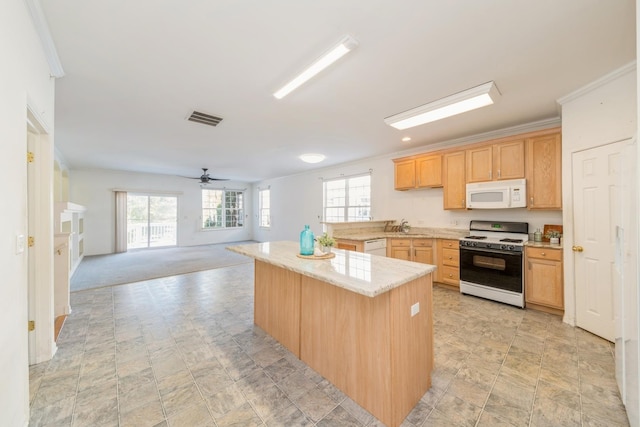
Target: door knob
577, 248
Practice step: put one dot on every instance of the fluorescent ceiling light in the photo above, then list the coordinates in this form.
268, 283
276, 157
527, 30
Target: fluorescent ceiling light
312, 157
42, 28
345, 46
461, 102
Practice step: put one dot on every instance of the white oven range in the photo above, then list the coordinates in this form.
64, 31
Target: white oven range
492, 261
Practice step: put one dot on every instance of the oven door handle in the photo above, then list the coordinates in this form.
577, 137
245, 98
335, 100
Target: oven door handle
491, 251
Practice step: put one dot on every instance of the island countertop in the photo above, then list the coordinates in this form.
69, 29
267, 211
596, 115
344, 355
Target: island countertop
365, 274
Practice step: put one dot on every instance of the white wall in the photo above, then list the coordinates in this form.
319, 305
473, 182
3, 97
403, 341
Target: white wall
94, 190
24, 78
297, 200
601, 113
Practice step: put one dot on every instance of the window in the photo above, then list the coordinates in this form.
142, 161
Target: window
222, 209
347, 199
264, 208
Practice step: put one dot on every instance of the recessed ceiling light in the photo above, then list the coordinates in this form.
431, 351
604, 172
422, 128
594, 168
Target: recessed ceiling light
461, 102
346, 45
406, 139
312, 157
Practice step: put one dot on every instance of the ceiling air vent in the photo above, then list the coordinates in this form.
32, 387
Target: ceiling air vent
205, 119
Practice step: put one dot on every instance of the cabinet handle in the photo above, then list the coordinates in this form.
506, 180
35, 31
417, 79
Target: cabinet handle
450, 257
490, 175
498, 173
543, 253
531, 201
450, 275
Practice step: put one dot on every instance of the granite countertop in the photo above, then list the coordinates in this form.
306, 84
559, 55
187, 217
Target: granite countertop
365, 274
543, 245
417, 233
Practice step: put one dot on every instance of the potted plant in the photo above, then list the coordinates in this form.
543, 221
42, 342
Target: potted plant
554, 237
326, 242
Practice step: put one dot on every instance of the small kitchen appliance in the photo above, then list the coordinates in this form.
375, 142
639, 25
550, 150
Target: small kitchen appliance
492, 261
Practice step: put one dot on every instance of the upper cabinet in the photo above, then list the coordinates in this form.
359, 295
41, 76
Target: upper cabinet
405, 174
504, 160
455, 187
535, 156
544, 172
418, 172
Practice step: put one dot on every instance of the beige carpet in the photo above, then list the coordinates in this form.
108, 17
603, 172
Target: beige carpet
135, 266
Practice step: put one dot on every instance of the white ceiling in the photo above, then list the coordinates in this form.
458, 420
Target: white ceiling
136, 69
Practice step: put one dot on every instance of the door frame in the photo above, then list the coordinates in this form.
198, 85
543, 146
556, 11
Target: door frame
40, 299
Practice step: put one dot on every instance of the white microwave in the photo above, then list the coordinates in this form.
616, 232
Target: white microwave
497, 194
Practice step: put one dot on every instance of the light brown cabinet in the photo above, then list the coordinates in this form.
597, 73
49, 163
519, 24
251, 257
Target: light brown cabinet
448, 262
350, 245
543, 279
418, 250
405, 174
421, 172
453, 180
429, 171
544, 172
500, 161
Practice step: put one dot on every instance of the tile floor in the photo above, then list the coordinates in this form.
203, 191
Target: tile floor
183, 351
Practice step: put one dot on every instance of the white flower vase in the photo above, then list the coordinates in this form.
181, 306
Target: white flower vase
554, 240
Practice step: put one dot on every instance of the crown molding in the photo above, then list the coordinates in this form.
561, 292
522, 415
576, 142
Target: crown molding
48, 46
615, 74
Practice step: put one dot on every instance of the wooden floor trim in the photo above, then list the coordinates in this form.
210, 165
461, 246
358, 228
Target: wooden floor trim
57, 326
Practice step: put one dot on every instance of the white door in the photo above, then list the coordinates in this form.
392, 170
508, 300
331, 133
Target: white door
597, 175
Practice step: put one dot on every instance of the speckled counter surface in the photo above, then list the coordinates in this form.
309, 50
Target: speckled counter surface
365, 274
546, 245
417, 233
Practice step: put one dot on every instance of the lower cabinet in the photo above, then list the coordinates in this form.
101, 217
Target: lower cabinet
418, 250
448, 262
544, 288
350, 245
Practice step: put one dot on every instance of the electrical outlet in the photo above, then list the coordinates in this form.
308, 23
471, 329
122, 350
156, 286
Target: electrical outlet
415, 309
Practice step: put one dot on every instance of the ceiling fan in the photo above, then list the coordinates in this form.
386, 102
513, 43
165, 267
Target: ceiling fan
205, 178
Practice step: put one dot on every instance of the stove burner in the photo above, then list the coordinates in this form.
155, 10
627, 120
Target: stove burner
511, 240
476, 237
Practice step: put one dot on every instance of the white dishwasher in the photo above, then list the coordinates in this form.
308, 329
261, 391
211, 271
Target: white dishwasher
376, 247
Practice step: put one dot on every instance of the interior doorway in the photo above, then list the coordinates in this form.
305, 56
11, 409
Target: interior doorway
152, 221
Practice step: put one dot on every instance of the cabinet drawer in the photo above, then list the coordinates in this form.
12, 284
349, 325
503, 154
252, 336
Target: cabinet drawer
422, 243
451, 257
405, 243
450, 275
452, 244
545, 253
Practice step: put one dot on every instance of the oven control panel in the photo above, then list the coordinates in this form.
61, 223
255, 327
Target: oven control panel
491, 245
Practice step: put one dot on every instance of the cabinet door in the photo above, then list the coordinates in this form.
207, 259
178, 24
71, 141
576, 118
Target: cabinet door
508, 160
479, 164
401, 252
423, 255
544, 172
405, 174
544, 283
453, 180
429, 171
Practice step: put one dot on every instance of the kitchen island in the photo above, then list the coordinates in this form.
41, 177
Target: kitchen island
362, 321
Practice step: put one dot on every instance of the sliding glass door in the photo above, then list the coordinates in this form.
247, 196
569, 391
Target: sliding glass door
151, 221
